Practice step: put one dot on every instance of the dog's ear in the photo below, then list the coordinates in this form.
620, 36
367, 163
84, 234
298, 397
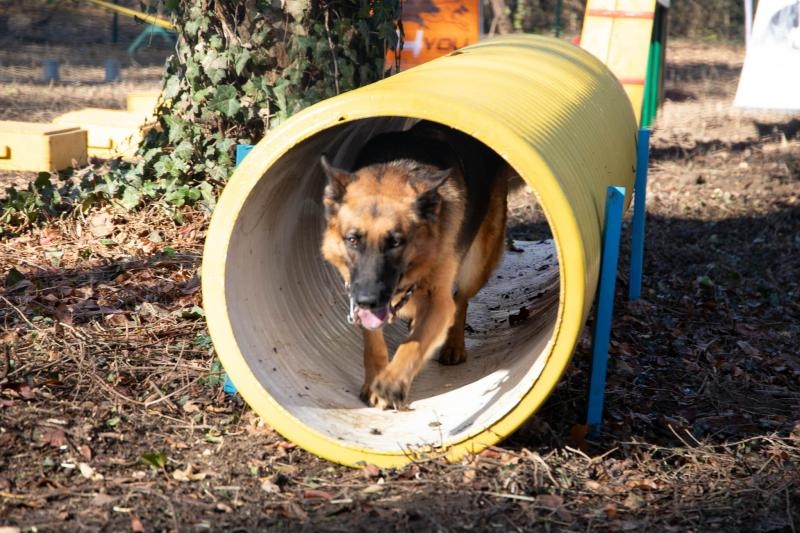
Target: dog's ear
338, 180
429, 201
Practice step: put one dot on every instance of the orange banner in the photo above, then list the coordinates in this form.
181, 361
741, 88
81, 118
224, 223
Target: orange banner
434, 28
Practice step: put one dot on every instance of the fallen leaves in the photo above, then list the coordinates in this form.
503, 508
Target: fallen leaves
89, 473
317, 494
701, 399
100, 224
189, 474
55, 437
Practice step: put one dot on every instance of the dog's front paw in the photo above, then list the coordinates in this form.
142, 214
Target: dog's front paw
452, 354
366, 394
389, 391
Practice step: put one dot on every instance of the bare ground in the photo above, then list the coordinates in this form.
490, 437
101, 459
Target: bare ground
112, 416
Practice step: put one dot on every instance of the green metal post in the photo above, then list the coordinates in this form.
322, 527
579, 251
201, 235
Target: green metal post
654, 76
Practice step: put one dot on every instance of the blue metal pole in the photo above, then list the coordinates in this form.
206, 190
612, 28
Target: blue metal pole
639, 211
604, 309
241, 152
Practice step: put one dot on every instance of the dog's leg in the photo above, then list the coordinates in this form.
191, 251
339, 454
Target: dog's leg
453, 351
434, 316
478, 264
376, 357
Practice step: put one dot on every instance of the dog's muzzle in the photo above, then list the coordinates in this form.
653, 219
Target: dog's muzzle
353, 315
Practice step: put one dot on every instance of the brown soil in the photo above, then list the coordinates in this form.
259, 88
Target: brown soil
112, 416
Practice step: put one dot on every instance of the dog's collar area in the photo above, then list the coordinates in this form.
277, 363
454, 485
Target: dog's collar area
352, 316
403, 301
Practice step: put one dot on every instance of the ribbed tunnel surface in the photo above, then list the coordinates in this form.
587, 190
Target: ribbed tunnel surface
276, 311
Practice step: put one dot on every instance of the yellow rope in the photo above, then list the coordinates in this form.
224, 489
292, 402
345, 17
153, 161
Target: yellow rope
150, 19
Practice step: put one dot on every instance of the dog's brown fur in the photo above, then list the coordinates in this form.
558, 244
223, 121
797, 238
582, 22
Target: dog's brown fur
449, 228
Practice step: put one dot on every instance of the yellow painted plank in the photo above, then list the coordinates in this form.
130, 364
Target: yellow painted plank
41, 147
111, 132
143, 102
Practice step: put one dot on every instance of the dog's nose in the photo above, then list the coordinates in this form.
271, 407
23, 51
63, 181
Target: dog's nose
366, 300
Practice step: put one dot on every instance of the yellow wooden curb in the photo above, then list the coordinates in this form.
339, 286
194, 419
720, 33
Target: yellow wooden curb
276, 312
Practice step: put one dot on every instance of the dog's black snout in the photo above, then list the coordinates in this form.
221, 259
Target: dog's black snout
373, 281
367, 299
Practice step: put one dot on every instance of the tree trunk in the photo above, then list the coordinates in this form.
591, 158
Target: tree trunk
242, 67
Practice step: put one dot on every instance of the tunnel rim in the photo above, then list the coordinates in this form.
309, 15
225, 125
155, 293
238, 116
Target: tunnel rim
574, 263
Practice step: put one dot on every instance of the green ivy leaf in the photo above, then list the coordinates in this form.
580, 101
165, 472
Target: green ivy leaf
155, 459
131, 197
184, 151
242, 59
215, 66
225, 101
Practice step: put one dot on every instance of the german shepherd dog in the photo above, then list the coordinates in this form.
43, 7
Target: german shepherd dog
415, 230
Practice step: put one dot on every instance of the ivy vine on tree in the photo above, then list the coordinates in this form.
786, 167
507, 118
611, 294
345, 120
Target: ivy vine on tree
240, 68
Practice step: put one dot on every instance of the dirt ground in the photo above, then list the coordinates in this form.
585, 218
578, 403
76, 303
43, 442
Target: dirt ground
113, 418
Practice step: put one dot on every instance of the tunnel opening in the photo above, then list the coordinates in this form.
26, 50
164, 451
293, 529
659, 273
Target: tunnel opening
291, 308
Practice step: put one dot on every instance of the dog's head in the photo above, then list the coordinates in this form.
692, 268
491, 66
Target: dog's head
381, 231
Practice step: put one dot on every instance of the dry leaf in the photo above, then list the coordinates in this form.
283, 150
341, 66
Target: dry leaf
550, 501
190, 407
136, 524
469, 476
26, 392
375, 487
101, 499
118, 319
633, 501
577, 436
267, 485
293, 511
88, 472
647, 484
317, 494
747, 348
371, 471
188, 474
288, 470
597, 487
54, 437
100, 225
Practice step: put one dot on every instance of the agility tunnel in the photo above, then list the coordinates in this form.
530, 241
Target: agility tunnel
277, 312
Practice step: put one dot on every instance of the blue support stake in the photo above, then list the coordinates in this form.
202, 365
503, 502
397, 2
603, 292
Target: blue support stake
639, 210
241, 151
615, 203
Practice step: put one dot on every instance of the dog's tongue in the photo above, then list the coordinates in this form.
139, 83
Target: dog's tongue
373, 318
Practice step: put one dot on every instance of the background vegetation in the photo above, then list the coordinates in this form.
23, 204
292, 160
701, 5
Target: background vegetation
240, 68
695, 19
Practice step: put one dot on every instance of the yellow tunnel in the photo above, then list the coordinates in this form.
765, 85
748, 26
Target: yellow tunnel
276, 311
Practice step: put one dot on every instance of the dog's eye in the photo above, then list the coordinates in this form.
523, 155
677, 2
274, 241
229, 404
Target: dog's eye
353, 240
395, 241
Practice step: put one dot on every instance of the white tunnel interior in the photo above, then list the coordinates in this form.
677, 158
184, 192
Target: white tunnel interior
288, 309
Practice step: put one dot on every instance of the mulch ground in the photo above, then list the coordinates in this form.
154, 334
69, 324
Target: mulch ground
112, 415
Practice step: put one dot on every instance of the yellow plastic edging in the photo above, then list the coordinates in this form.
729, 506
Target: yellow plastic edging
553, 111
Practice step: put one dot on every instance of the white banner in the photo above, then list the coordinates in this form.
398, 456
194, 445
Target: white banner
771, 74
